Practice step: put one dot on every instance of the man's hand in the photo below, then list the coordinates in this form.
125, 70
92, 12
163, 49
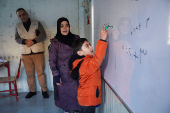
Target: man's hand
29, 43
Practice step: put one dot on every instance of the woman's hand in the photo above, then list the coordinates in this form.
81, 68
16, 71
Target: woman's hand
59, 84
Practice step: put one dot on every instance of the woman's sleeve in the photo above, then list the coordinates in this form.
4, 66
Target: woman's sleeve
77, 37
53, 59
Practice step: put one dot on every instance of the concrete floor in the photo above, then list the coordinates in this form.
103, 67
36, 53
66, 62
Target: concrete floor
36, 104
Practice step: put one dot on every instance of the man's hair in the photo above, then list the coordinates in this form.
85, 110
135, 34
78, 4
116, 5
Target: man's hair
20, 9
77, 44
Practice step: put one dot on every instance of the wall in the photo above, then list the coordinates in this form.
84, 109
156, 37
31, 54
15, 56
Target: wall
81, 19
110, 102
137, 60
47, 12
88, 20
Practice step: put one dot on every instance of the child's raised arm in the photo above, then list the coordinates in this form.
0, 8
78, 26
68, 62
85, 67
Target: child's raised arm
103, 34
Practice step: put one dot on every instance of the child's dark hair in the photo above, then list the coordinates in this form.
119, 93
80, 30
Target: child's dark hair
20, 9
77, 44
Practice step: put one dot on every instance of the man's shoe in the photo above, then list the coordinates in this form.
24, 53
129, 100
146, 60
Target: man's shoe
45, 94
30, 94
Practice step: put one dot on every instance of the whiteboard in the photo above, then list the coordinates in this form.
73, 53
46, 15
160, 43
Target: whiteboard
137, 61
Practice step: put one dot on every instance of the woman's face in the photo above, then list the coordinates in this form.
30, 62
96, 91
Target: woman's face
64, 28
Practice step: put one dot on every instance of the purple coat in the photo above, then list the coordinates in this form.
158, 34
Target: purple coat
59, 55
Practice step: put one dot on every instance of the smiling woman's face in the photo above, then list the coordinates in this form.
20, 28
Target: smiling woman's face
64, 28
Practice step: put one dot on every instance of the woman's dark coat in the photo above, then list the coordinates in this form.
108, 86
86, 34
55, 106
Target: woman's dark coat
66, 94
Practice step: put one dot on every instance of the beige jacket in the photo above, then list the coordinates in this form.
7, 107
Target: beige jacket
38, 47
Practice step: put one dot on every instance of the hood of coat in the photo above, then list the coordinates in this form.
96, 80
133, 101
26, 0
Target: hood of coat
72, 59
53, 40
75, 71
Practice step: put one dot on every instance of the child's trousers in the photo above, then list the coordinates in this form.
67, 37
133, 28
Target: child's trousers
87, 109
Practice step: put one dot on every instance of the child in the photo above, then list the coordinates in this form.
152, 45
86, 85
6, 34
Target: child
86, 67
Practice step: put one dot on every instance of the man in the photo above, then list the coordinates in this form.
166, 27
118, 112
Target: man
30, 35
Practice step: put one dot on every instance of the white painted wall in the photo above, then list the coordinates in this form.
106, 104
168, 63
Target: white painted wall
88, 27
47, 12
110, 102
81, 19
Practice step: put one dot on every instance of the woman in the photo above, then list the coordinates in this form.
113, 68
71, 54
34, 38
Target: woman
65, 88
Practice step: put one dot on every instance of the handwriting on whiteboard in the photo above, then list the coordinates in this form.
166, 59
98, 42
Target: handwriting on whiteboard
141, 52
138, 27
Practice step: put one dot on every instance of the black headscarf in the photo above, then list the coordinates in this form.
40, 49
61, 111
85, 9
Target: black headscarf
65, 39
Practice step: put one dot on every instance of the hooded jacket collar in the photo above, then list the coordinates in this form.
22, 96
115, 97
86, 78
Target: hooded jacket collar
72, 59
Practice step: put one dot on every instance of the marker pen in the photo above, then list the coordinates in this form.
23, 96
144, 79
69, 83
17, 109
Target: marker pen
106, 27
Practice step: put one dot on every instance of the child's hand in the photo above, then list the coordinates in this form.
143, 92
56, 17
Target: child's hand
103, 34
